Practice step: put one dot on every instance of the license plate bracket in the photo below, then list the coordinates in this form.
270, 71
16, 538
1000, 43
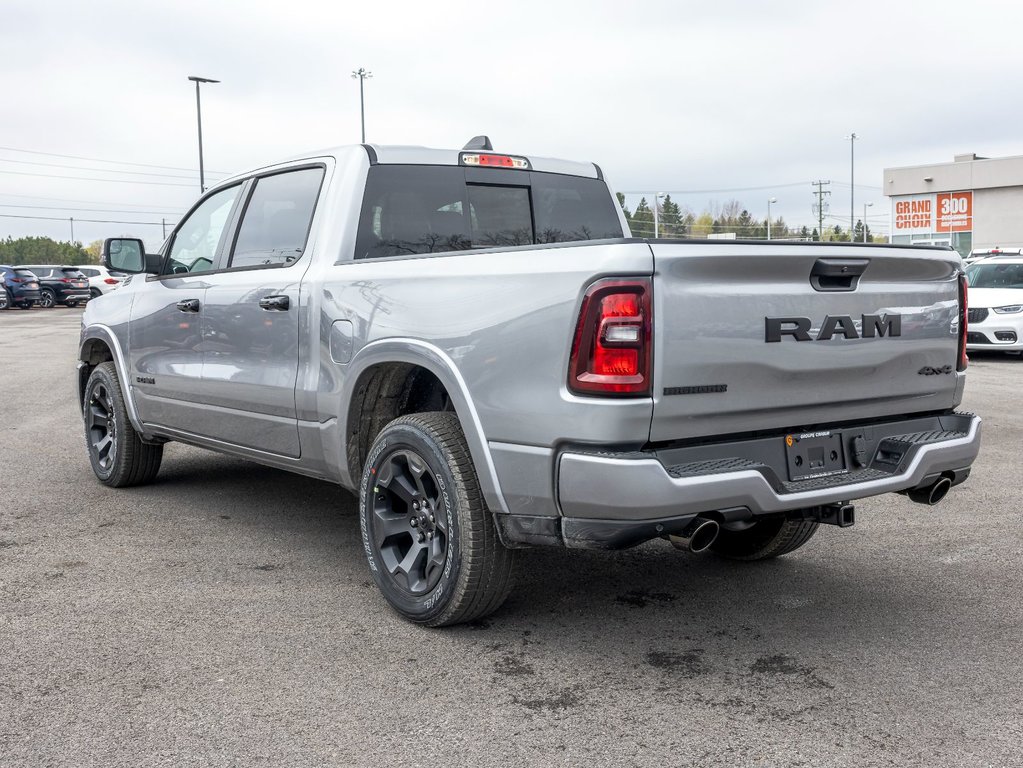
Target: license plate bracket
815, 454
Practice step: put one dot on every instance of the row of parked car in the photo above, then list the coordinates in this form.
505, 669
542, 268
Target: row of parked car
47, 285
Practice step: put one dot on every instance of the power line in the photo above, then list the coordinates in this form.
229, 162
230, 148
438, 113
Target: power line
712, 191
90, 202
90, 221
89, 178
100, 160
101, 170
89, 210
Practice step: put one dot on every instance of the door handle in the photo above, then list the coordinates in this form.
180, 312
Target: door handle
189, 305
278, 303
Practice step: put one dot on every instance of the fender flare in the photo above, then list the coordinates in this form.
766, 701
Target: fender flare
437, 362
99, 332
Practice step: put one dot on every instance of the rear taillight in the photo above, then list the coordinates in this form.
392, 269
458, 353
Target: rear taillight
17, 280
67, 280
963, 313
110, 281
612, 348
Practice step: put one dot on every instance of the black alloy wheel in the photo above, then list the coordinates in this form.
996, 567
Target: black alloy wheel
117, 453
430, 539
409, 524
101, 426
47, 299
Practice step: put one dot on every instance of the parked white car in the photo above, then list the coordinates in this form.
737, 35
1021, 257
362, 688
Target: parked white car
101, 279
985, 253
995, 318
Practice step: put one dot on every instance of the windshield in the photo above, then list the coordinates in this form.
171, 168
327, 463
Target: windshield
988, 275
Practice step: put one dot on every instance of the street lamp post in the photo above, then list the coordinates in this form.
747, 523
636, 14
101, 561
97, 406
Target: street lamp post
865, 207
769, 201
198, 117
362, 74
852, 183
657, 196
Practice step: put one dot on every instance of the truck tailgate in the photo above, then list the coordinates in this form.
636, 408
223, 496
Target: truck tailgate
889, 348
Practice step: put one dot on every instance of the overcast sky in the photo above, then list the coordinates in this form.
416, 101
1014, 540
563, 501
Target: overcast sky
668, 96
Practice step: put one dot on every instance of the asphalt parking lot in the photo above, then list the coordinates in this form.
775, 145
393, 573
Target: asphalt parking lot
226, 616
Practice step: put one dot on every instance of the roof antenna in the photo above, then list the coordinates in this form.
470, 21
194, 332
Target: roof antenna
479, 142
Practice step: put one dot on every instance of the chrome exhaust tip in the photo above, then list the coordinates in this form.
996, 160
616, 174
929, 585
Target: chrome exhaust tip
698, 536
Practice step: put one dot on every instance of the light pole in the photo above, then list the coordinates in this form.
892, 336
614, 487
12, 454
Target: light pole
362, 74
198, 117
852, 182
657, 196
865, 207
769, 201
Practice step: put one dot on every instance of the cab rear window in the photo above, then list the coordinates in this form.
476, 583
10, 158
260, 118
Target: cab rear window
409, 209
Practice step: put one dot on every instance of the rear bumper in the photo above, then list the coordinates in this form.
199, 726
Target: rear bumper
614, 501
19, 297
78, 294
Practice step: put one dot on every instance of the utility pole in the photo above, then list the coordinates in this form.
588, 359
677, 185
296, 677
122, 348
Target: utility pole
852, 183
163, 222
769, 201
657, 196
821, 193
72, 229
362, 74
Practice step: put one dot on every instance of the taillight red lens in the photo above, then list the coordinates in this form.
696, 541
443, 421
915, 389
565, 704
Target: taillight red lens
109, 281
67, 280
17, 280
963, 321
612, 348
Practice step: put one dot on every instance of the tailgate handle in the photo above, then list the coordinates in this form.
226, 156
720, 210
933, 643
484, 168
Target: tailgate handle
837, 274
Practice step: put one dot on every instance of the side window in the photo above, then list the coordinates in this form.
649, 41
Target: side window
413, 209
275, 225
196, 241
89, 272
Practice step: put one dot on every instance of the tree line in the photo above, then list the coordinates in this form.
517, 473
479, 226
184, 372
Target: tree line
674, 221
45, 250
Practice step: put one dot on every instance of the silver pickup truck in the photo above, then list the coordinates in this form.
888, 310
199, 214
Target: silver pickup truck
472, 342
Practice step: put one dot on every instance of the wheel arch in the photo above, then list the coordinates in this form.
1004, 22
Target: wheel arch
383, 381
100, 345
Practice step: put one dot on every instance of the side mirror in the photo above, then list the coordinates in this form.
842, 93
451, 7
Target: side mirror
126, 254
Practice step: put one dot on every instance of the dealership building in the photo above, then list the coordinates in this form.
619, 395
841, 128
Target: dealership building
972, 202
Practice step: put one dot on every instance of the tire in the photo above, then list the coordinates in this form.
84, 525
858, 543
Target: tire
449, 567
118, 456
47, 298
26, 305
70, 304
764, 539
5, 299
95, 293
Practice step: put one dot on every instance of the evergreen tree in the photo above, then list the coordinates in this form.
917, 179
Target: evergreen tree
672, 222
642, 223
625, 208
